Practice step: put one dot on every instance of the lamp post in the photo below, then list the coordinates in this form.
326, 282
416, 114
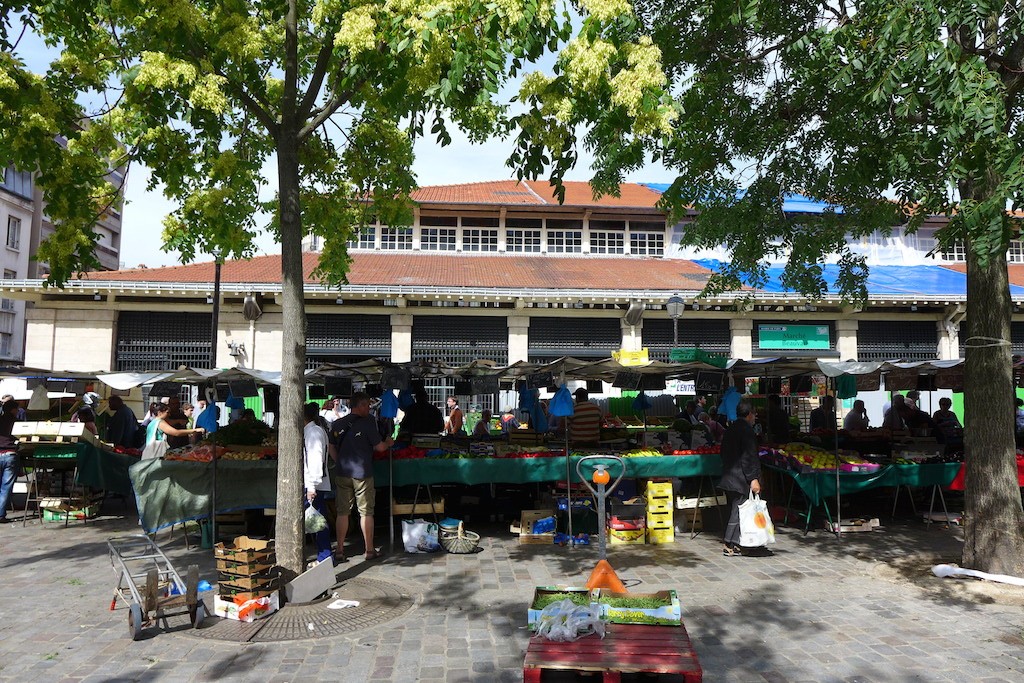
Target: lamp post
675, 307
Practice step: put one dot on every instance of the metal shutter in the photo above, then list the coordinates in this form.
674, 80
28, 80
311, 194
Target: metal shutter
897, 340
551, 338
148, 342
709, 335
458, 340
1016, 338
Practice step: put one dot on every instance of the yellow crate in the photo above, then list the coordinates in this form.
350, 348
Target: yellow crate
657, 536
659, 489
659, 505
659, 520
626, 537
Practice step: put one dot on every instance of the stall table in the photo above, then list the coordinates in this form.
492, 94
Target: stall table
104, 470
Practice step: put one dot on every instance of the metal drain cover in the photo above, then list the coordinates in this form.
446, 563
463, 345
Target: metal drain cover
379, 602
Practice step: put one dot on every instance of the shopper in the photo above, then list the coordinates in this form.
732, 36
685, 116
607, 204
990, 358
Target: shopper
715, 431
947, 423
585, 422
9, 465
122, 427
741, 475
483, 426
857, 419
158, 429
316, 479
893, 418
354, 440
824, 416
778, 420
453, 425
422, 417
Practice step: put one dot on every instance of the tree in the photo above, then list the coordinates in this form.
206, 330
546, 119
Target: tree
332, 92
849, 102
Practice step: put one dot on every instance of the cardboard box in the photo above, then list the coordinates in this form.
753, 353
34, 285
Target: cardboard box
533, 613
626, 537
248, 583
244, 549
691, 519
615, 522
243, 568
704, 502
668, 615
660, 536
855, 525
526, 520
419, 508
228, 608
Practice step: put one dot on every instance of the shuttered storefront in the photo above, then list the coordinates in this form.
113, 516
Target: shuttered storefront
458, 340
337, 338
590, 338
708, 335
151, 342
879, 340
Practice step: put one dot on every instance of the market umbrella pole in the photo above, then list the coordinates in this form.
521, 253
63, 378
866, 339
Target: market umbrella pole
391, 496
839, 509
568, 488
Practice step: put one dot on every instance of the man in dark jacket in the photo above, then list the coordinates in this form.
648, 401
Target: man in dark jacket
122, 427
741, 474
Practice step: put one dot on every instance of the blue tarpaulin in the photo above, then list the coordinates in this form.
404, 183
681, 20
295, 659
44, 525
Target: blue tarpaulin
882, 281
791, 203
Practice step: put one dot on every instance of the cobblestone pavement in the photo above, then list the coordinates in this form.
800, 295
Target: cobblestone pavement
821, 609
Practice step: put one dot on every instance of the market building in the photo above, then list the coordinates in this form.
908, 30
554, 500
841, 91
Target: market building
502, 271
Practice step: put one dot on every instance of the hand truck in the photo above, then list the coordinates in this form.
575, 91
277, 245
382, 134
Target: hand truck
135, 558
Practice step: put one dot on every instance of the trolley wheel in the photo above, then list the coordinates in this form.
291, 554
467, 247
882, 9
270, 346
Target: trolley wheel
135, 620
197, 613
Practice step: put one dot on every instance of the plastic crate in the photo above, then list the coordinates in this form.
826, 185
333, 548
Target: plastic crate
659, 489
659, 505
659, 520
659, 536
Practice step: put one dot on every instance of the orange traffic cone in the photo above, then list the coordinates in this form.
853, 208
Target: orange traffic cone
604, 576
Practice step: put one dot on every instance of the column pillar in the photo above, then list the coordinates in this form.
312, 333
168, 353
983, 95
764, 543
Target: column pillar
949, 340
401, 337
632, 335
518, 338
846, 338
742, 342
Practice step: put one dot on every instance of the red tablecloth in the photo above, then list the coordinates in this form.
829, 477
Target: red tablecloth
958, 482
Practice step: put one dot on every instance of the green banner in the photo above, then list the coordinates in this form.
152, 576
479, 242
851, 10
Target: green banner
793, 337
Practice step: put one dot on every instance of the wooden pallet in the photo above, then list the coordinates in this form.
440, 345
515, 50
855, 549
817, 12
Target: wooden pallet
626, 648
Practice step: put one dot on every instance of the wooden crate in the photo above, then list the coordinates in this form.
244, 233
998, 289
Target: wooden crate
420, 508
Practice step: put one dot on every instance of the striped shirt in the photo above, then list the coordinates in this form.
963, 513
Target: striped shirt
585, 423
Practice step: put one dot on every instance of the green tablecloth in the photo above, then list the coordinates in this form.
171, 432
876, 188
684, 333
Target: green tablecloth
104, 470
817, 486
49, 451
525, 470
169, 492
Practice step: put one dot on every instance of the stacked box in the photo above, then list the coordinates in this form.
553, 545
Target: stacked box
245, 572
627, 522
659, 513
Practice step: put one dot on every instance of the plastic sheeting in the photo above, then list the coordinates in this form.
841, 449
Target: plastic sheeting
791, 203
882, 281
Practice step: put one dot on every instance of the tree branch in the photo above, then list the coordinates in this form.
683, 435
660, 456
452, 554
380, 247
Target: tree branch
317, 78
325, 113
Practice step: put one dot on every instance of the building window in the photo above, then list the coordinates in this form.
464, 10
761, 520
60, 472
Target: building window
366, 238
1015, 254
17, 182
479, 239
8, 304
607, 237
956, 252
437, 239
565, 236
520, 240
5, 344
647, 243
396, 238
13, 232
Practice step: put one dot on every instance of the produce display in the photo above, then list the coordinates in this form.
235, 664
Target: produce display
801, 457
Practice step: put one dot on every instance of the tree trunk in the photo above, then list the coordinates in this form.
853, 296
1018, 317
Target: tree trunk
289, 526
994, 531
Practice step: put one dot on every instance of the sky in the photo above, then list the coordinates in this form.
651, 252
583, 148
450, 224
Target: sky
459, 162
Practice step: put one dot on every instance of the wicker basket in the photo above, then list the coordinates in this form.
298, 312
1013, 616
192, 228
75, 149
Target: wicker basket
461, 542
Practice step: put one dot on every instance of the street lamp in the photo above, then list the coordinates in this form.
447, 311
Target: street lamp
675, 307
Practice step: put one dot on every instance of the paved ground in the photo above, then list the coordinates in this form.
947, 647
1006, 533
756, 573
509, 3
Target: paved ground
859, 609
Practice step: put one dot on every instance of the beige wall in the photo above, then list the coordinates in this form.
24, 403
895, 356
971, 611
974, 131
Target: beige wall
70, 339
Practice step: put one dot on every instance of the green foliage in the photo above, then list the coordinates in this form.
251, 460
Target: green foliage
847, 104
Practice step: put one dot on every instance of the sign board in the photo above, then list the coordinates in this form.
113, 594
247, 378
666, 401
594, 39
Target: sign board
395, 378
951, 378
315, 392
540, 380
627, 358
242, 388
709, 381
484, 384
165, 389
901, 380
338, 386
869, 382
793, 337
222, 390
653, 383
463, 387
624, 379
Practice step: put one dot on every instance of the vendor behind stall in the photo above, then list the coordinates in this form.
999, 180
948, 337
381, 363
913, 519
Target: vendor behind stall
585, 422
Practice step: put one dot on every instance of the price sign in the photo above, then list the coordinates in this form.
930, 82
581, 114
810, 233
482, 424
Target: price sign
540, 380
243, 387
165, 389
708, 381
869, 382
653, 383
627, 380
395, 378
901, 380
338, 386
484, 384
953, 378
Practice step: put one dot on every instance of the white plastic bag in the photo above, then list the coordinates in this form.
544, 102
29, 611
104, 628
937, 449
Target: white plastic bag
154, 450
419, 536
566, 621
314, 521
756, 528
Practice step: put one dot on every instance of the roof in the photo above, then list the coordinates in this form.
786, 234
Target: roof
534, 193
791, 203
893, 281
442, 270
1015, 271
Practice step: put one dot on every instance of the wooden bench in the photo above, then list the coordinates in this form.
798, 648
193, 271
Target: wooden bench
624, 649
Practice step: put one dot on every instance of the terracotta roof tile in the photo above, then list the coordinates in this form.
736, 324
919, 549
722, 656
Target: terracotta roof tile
1015, 271
533, 193
437, 270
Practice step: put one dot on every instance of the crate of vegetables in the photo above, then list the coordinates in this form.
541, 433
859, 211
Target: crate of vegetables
547, 595
654, 609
